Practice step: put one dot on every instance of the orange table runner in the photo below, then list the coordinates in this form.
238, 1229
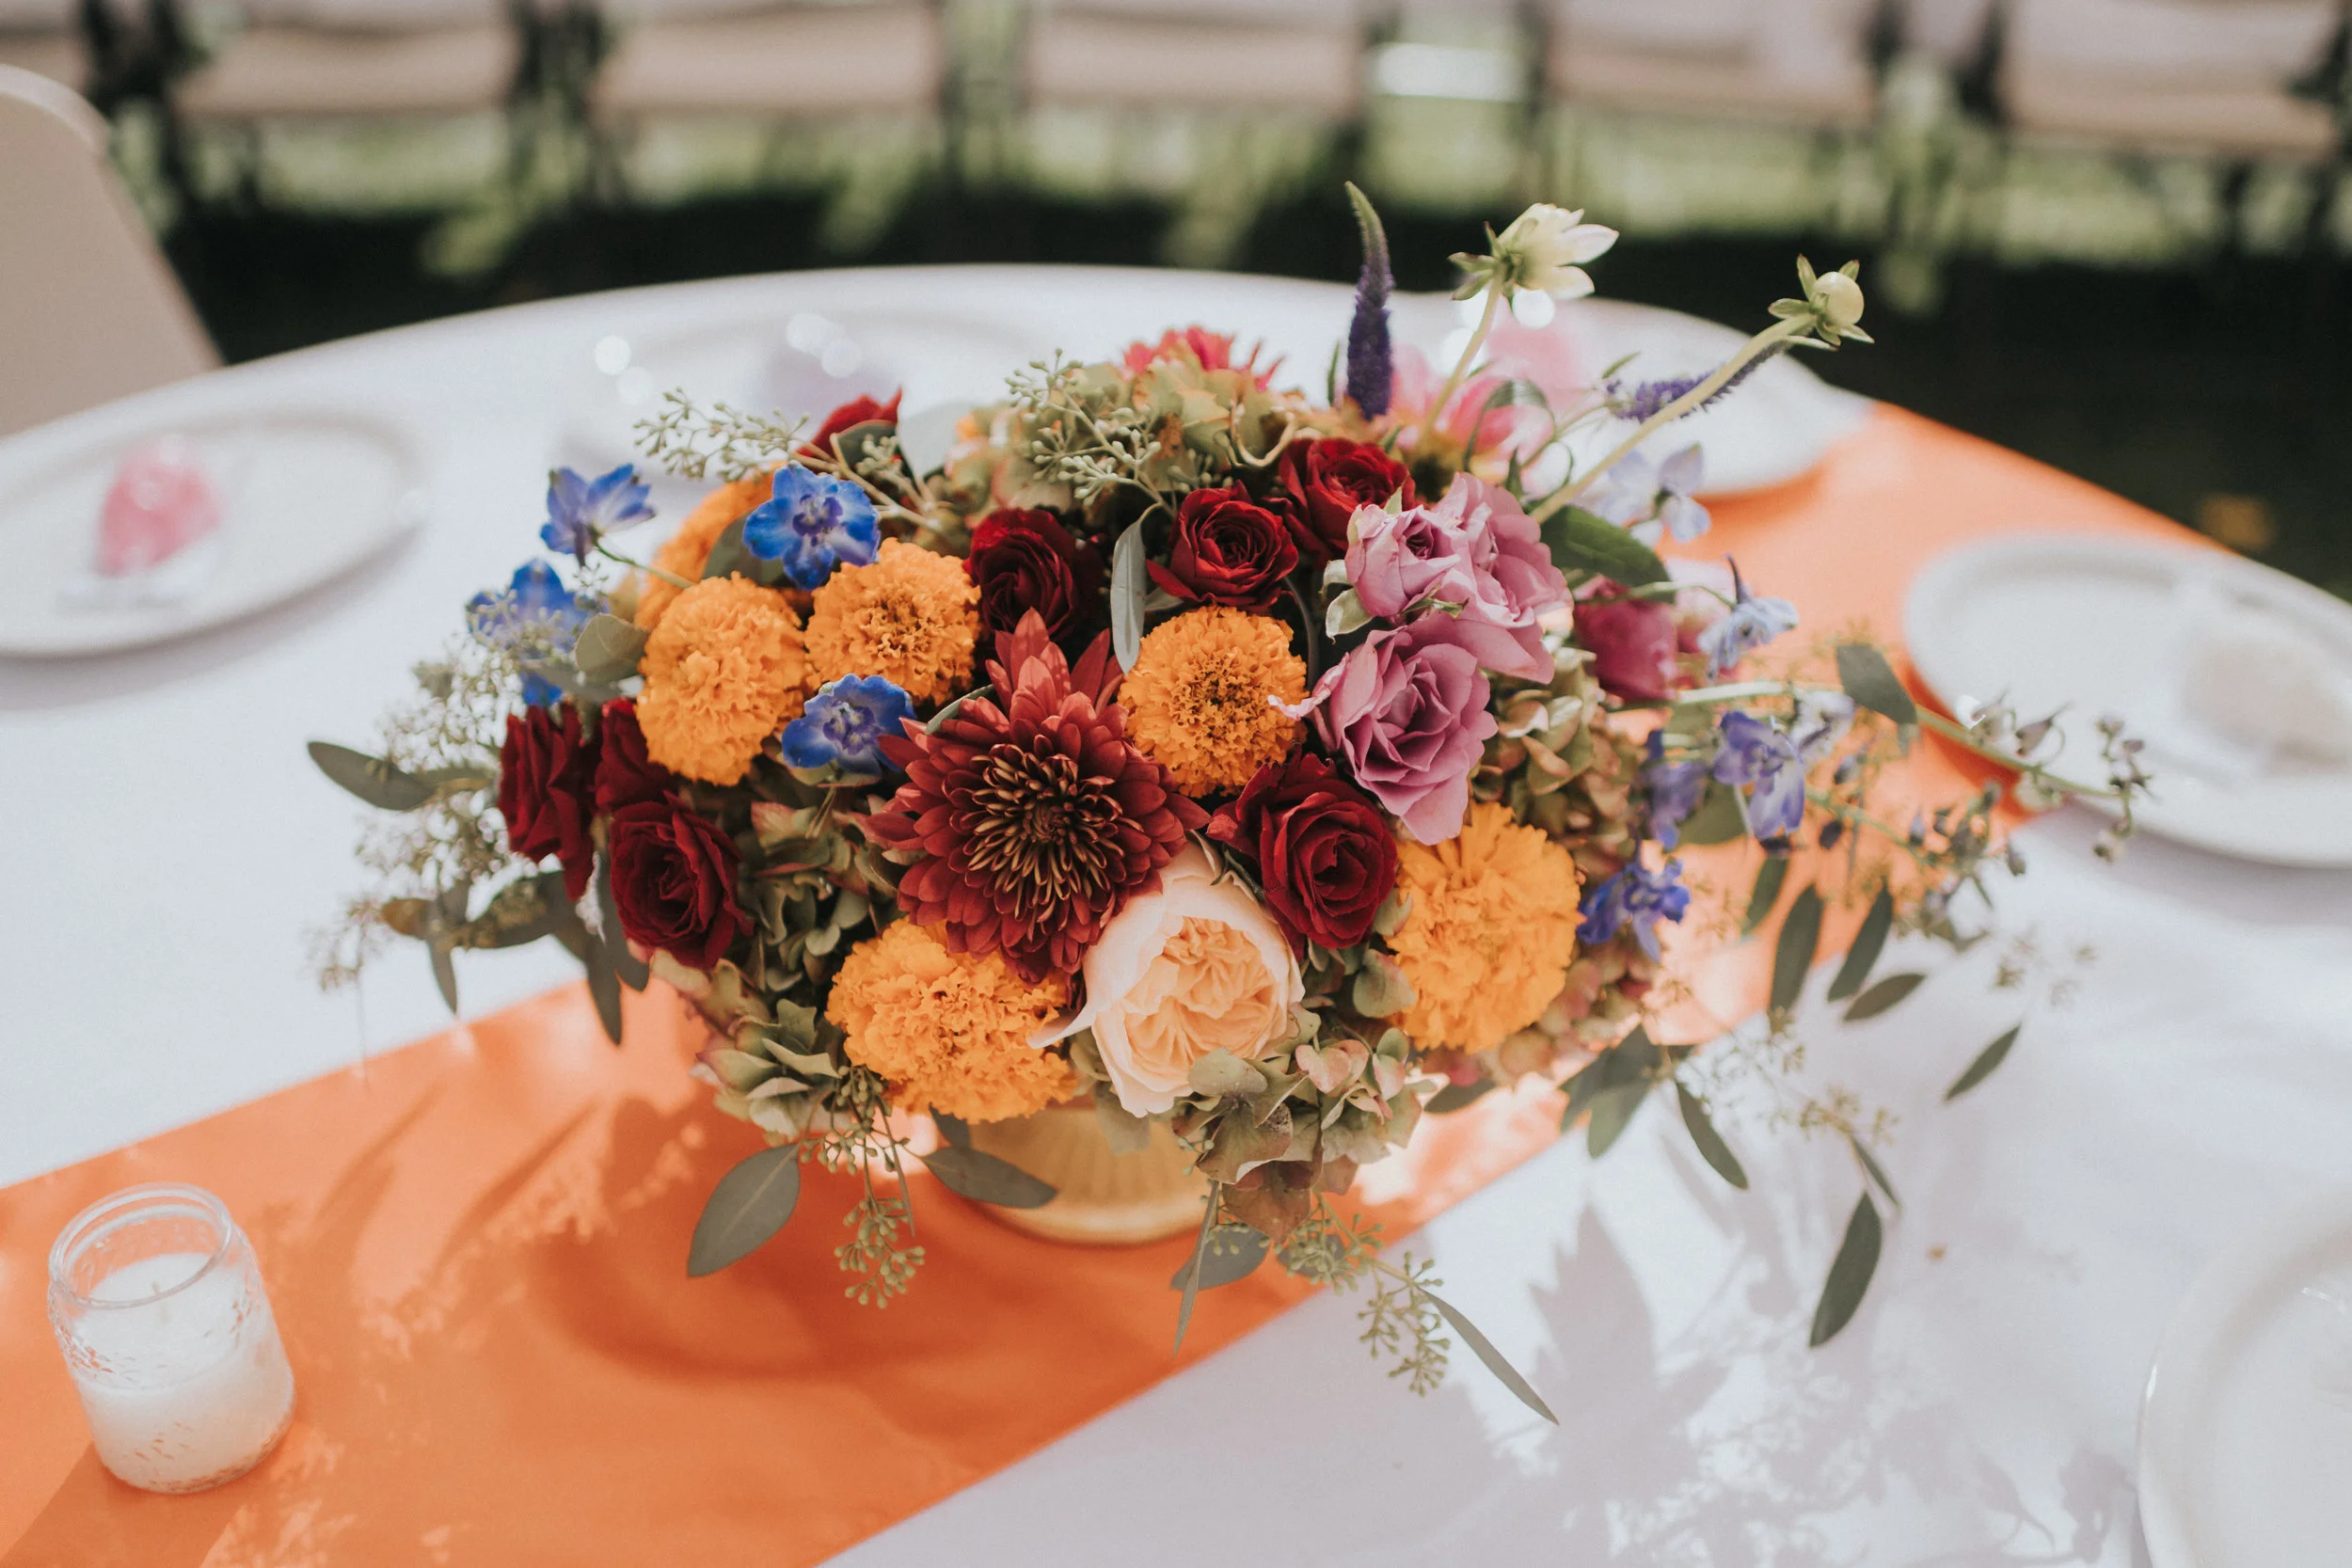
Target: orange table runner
476, 1246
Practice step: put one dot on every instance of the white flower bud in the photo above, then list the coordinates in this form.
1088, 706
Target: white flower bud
1544, 246
1841, 299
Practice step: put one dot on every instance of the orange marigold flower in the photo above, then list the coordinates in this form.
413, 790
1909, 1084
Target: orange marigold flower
1197, 699
911, 616
686, 551
722, 671
1489, 932
949, 1029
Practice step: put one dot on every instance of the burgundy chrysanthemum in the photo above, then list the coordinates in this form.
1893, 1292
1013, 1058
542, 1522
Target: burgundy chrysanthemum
1029, 821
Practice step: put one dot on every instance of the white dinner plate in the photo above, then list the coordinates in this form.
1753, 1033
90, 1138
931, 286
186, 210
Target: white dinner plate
2091, 625
2245, 1428
305, 496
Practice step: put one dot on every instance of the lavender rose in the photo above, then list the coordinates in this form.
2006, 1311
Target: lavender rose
1405, 711
1477, 550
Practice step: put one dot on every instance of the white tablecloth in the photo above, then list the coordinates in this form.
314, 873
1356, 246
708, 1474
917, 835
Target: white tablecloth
163, 848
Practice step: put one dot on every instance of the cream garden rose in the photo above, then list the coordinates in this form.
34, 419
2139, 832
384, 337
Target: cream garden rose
1195, 967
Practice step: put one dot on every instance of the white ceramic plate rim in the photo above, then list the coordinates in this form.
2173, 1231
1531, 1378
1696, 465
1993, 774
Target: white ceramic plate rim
1950, 574
106, 433
2196, 1338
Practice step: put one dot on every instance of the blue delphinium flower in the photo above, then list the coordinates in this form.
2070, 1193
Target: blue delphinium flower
1676, 789
1635, 896
580, 511
1755, 752
1751, 623
846, 722
813, 523
536, 618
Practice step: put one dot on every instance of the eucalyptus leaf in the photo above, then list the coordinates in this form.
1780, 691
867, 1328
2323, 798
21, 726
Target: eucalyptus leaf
1870, 681
1868, 943
985, 1178
1719, 818
1712, 1146
1883, 996
1766, 893
1585, 541
946, 711
608, 649
372, 778
1871, 1168
604, 986
1849, 1273
1194, 1267
444, 971
635, 972
1982, 1069
952, 1129
1792, 956
1484, 1349
730, 554
749, 1205
1613, 1113
1232, 1252
1455, 1096
1128, 582
863, 440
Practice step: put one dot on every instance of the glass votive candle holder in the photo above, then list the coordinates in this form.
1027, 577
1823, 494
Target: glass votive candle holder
166, 1331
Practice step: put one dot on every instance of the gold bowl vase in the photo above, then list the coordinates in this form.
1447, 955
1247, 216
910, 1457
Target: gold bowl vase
1104, 1198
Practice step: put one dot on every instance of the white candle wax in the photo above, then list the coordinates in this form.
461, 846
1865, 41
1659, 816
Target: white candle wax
186, 1384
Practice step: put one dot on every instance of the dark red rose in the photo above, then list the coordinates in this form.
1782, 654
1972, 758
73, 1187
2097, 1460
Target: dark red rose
626, 776
1325, 856
1325, 481
1226, 549
1021, 560
857, 411
1633, 645
674, 878
546, 779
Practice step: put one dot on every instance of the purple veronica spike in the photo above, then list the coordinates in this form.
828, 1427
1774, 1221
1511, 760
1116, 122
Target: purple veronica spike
1635, 896
1371, 368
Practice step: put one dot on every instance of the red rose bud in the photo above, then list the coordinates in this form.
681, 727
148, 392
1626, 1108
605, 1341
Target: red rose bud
626, 776
857, 411
674, 881
1325, 481
1633, 645
546, 776
1226, 549
1021, 560
1325, 856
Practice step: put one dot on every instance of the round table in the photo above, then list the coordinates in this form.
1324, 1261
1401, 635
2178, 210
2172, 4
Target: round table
166, 848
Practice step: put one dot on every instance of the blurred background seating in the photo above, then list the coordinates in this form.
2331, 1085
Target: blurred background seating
1796, 60
45, 38
88, 299
2171, 76
2120, 230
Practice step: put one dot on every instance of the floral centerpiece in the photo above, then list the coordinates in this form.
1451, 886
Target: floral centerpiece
1271, 769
